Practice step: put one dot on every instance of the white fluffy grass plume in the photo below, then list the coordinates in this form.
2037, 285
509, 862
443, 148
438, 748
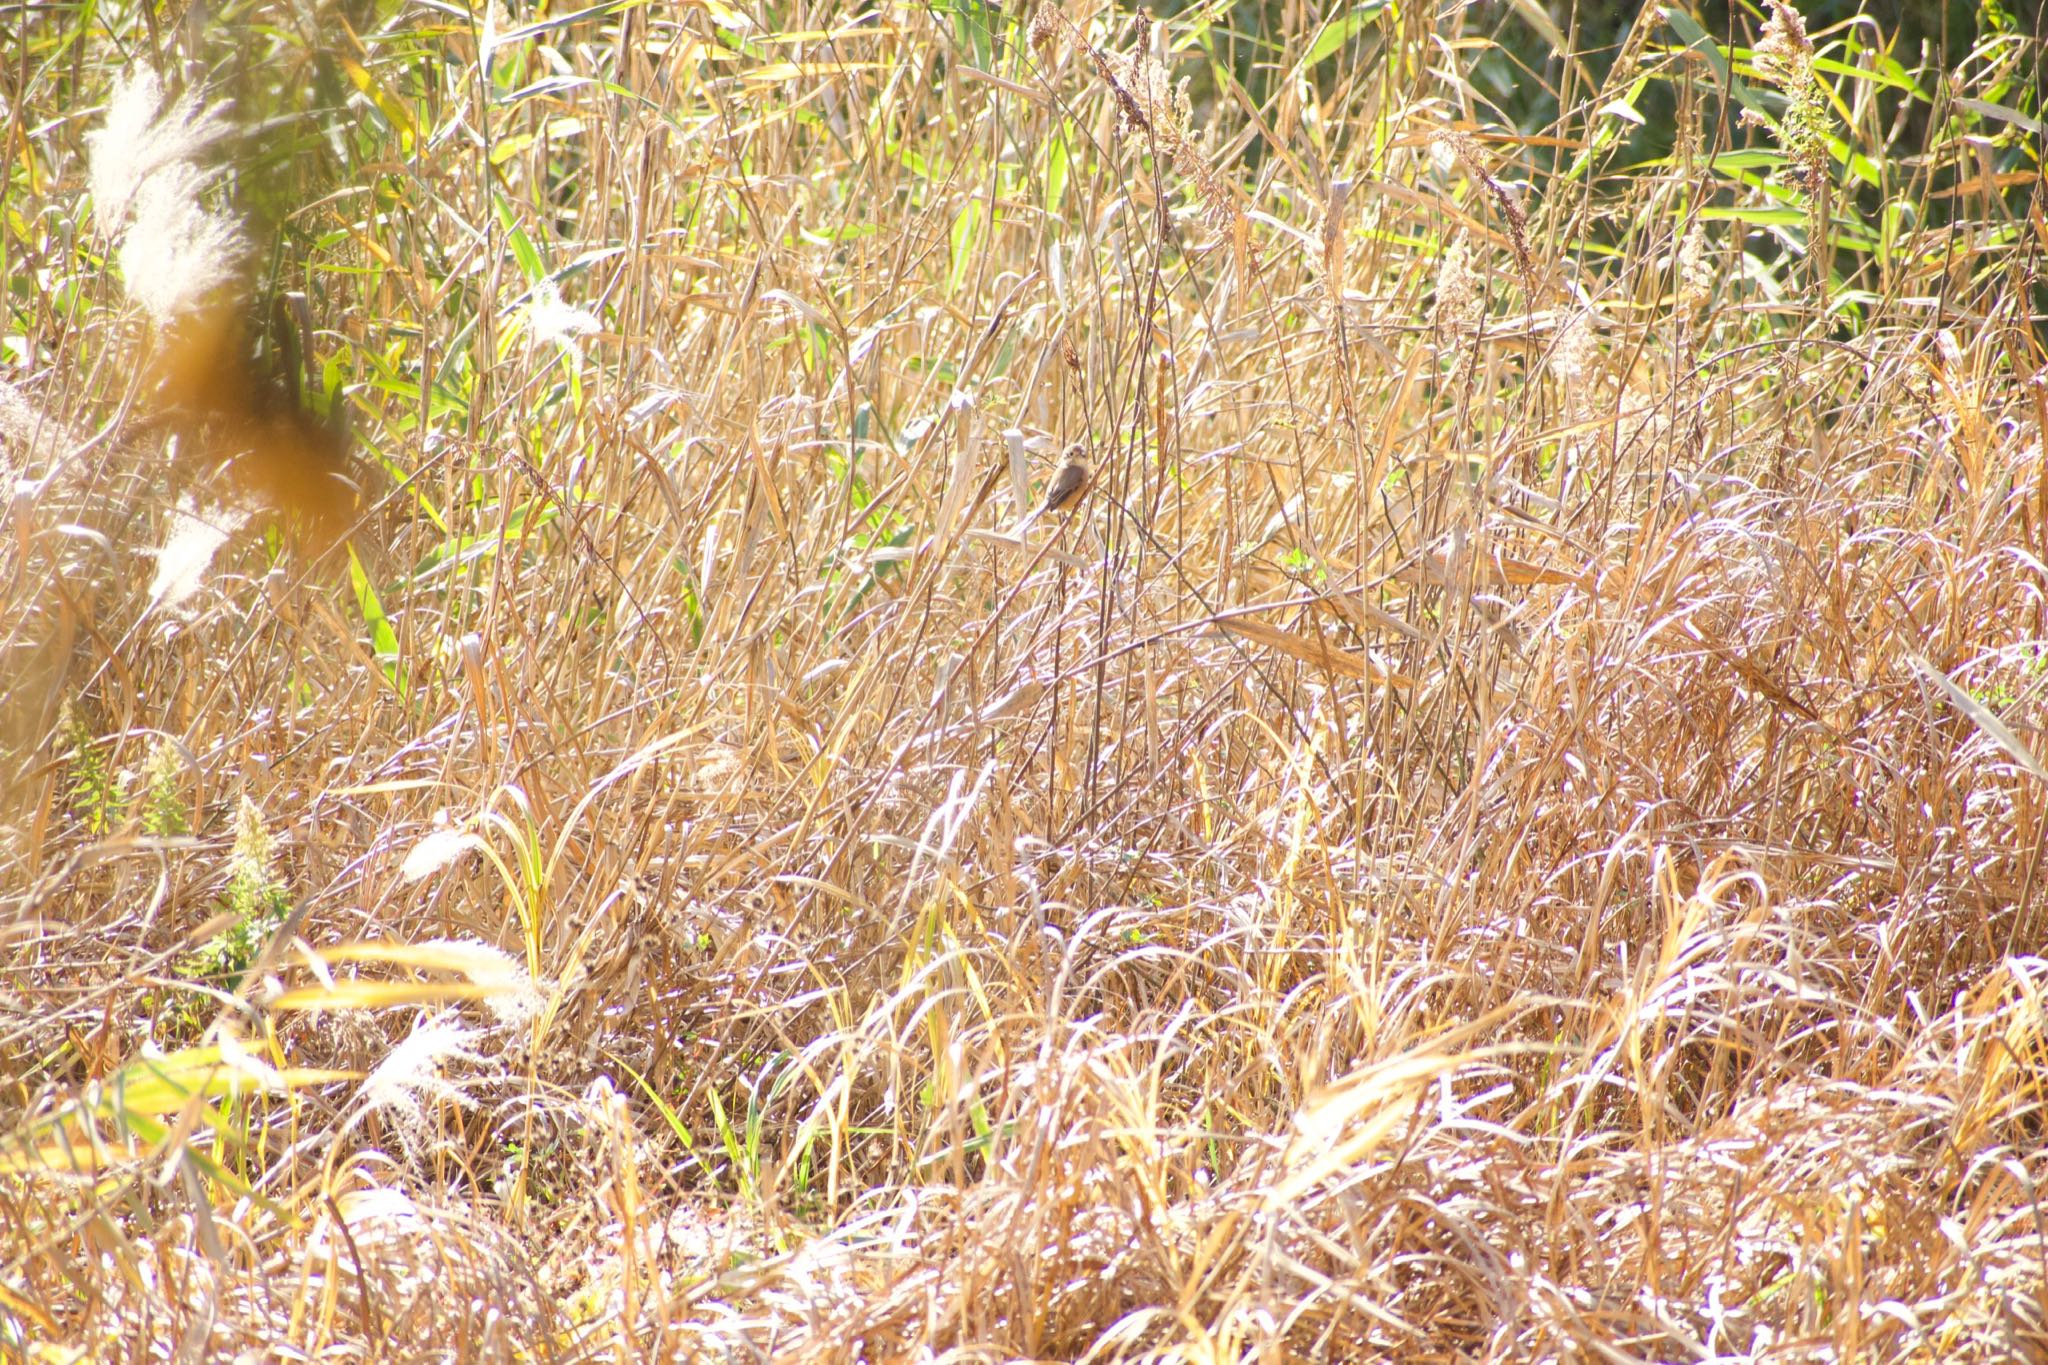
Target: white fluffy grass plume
194, 536
146, 187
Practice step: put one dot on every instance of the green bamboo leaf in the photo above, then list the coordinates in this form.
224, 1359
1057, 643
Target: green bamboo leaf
1340, 31
383, 639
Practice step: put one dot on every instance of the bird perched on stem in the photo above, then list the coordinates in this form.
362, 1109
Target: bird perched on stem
1068, 487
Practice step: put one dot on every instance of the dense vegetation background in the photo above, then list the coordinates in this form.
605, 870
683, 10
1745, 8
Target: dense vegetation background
557, 805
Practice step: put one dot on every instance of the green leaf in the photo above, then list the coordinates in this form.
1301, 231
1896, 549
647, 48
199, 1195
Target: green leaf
1057, 155
383, 639
523, 249
1749, 159
974, 28
1619, 112
2001, 114
1887, 72
389, 105
668, 1113
1699, 40
966, 239
1338, 32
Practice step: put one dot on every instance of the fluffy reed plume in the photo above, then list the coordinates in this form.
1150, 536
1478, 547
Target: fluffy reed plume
1460, 289
141, 139
1784, 57
194, 536
27, 436
1695, 268
1578, 343
174, 254
1448, 148
549, 319
413, 1075
1150, 106
147, 187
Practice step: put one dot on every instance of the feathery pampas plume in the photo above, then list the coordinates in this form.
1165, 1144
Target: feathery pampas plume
549, 318
27, 435
410, 1076
194, 536
146, 185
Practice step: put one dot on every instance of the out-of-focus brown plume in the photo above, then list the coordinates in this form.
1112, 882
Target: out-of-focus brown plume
239, 417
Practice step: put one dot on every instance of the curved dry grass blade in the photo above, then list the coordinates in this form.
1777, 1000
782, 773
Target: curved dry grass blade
1980, 715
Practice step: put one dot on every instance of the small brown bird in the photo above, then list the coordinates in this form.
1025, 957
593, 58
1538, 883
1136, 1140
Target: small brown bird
1068, 486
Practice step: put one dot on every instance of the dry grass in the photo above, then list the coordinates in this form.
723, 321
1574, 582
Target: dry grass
1507, 827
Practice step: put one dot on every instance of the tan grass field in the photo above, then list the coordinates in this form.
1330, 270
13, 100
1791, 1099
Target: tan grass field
554, 807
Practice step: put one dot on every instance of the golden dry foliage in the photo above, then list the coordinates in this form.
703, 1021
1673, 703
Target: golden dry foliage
1506, 826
